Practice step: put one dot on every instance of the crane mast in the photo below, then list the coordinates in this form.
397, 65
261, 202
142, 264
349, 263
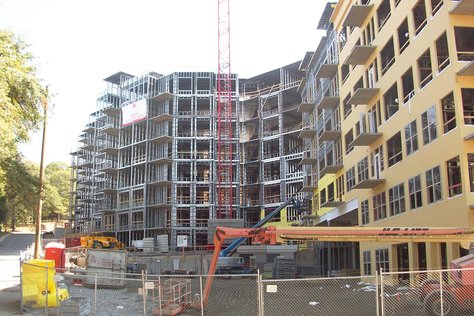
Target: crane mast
224, 115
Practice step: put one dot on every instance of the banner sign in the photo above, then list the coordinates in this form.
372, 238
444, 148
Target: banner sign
134, 112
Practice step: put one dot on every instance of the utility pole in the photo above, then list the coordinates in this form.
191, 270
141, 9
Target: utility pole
41, 180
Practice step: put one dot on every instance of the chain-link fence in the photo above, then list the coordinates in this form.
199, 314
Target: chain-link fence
434, 292
46, 291
320, 296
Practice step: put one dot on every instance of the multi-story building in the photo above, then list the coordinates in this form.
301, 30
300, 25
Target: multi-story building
388, 101
148, 161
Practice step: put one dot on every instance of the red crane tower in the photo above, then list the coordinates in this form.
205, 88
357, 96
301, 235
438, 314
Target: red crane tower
224, 114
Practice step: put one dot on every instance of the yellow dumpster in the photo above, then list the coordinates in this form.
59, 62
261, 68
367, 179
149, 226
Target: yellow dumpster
38, 284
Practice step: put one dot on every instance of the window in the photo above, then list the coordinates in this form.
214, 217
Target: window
419, 16
468, 105
387, 56
377, 162
414, 189
449, 113
342, 38
349, 141
344, 72
454, 176
433, 185
350, 179
408, 86
411, 138
442, 52
372, 74
380, 206
403, 36
394, 149
424, 68
363, 170
367, 266
381, 260
470, 164
464, 42
347, 105
396, 199
428, 125
340, 187
390, 99
435, 6
364, 211
383, 13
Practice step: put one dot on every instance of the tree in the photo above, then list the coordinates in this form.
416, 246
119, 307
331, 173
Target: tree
20, 97
20, 193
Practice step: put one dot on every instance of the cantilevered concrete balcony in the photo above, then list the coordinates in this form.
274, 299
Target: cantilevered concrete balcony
307, 133
332, 203
329, 102
108, 167
162, 96
359, 55
161, 139
306, 107
357, 15
463, 7
327, 71
329, 135
366, 139
330, 169
161, 160
110, 129
308, 161
109, 149
89, 128
368, 183
165, 117
308, 188
468, 69
363, 95
111, 110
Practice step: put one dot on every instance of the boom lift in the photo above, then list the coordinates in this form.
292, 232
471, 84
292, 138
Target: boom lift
235, 265
270, 235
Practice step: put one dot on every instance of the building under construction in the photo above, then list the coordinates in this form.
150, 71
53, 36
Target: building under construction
148, 161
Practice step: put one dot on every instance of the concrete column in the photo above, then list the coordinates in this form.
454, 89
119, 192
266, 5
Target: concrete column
433, 256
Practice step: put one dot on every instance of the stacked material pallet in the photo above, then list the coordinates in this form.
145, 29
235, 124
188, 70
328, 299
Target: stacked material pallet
75, 306
284, 268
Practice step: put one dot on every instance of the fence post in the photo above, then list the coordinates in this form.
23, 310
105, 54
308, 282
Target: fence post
46, 291
377, 298
144, 291
159, 294
260, 291
95, 294
381, 292
200, 289
441, 291
21, 286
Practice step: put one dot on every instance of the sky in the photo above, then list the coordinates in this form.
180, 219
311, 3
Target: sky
77, 44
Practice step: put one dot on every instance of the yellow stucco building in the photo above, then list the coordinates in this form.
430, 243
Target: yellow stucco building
388, 102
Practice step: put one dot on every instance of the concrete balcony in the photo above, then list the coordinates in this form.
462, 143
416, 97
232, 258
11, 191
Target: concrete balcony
359, 54
307, 133
363, 95
467, 70
368, 183
308, 161
327, 71
111, 110
329, 102
334, 168
463, 7
332, 203
366, 139
164, 117
162, 96
309, 188
306, 107
357, 15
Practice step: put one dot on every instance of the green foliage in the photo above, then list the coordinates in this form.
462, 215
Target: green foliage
20, 97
